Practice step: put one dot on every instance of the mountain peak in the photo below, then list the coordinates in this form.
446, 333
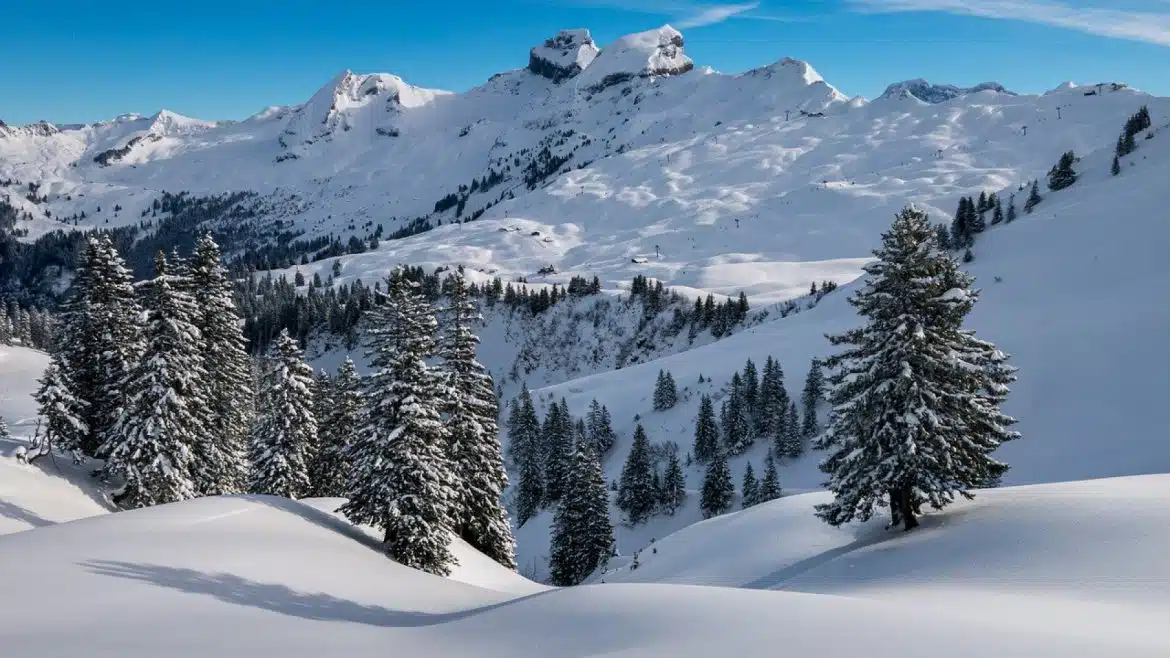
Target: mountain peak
564, 55
929, 92
653, 53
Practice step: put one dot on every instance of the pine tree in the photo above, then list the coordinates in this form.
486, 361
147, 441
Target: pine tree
151, 448
1062, 175
1034, 198
706, 432
285, 430
59, 410
944, 236
524, 432
751, 386
916, 398
718, 490
401, 481
557, 450
1011, 211
975, 223
582, 535
315, 458
599, 428
665, 392
1116, 168
814, 391
222, 457
101, 340
960, 230
674, 486
770, 484
996, 217
737, 427
793, 440
772, 404
750, 487
475, 453
339, 426
636, 495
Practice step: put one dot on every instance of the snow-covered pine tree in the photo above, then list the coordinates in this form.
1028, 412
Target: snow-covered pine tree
101, 340
401, 480
474, 448
916, 397
996, 215
674, 486
751, 487
772, 404
557, 450
316, 458
706, 432
599, 428
1115, 169
770, 484
975, 221
718, 490
1062, 175
338, 428
737, 427
285, 429
150, 449
636, 495
751, 386
944, 235
582, 535
814, 392
665, 392
222, 465
960, 227
1034, 198
62, 425
793, 441
524, 448
1011, 211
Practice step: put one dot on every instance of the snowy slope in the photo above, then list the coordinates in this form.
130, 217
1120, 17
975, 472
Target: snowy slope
246, 576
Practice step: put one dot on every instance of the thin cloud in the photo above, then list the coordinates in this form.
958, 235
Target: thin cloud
685, 14
1149, 26
716, 14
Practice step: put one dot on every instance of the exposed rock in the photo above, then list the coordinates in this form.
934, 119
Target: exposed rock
563, 56
934, 94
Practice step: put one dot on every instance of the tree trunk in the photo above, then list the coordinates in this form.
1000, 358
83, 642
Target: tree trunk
906, 509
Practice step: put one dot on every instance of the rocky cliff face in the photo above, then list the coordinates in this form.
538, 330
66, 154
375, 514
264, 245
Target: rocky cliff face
563, 56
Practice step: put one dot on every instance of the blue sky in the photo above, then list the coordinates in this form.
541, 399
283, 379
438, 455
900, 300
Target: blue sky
85, 61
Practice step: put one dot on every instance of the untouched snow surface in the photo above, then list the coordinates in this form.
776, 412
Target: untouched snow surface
247, 576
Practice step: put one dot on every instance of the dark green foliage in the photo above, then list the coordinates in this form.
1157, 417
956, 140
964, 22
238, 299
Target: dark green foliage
750, 487
1034, 198
770, 484
582, 535
706, 432
814, 392
665, 392
525, 451
1062, 175
674, 486
718, 491
599, 428
637, 496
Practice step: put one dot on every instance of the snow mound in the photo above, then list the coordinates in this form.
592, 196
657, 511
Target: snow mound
934, 94
248, 576
652, 53
563, 56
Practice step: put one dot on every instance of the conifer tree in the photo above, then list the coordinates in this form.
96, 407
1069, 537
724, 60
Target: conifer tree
773, 402
557, 440
996, 216
582, 535
750, 487
916, 397
770, 484
636, 495
101, 339
222, 456
737, 428
814, 391
1034, 198
793, 440
475, 453
339, 426
285, 430
152, 448
718, 490
1116, 168
674, 486
960, 226
706, 432
751, 386
525, 451
1011, 211
315, 459
599, 428
62, 425
975, 223
944, 236
665, 392
401, 480
1062, 175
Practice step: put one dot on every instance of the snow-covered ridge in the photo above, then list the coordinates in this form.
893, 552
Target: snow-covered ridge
645, 54
563, 56
934, 94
